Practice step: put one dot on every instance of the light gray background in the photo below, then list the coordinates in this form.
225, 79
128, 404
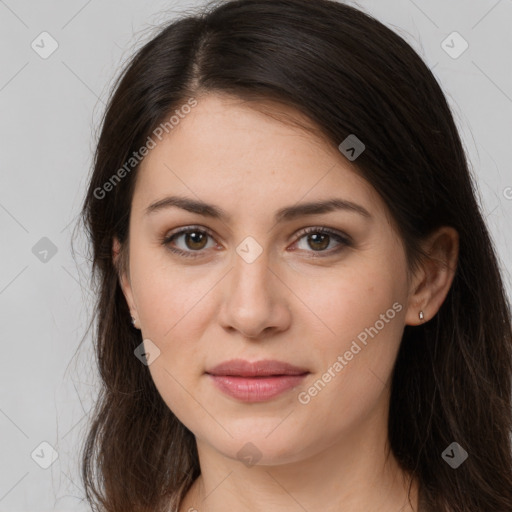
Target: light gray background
49, 117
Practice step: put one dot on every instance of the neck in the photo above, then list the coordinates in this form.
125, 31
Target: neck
354, 474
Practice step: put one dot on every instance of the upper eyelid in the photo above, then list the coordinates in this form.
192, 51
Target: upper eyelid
187, 229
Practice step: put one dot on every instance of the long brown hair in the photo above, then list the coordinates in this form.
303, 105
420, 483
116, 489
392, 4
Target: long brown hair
349, 74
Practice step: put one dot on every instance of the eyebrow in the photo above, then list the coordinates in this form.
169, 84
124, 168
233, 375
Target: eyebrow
284, 214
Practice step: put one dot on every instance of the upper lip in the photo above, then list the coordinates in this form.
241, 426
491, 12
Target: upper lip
265, 367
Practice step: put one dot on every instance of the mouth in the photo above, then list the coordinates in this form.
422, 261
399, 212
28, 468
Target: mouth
263, 368
256, 382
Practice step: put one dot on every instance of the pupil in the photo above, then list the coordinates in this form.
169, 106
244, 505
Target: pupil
322, 235
192, 235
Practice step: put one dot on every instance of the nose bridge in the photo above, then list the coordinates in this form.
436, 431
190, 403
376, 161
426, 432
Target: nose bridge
252, 302
251, 276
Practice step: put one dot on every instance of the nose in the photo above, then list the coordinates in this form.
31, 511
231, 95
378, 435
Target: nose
255, 299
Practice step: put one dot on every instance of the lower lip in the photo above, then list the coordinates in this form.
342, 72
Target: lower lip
256, 389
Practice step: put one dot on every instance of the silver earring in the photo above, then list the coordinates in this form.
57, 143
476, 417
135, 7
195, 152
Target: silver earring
421, 315
133, 321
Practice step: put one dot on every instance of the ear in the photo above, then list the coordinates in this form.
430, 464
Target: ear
124, 278
432, 281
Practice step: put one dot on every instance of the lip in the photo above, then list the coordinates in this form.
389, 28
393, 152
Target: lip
265, 367
258, 381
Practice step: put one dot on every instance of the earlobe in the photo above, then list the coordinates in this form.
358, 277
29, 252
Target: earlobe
433, 282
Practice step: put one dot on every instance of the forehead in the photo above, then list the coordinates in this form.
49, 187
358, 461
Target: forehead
230, 150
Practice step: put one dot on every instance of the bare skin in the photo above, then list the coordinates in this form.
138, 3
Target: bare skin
299, 301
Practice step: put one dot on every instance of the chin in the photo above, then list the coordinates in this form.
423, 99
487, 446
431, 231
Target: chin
252, 446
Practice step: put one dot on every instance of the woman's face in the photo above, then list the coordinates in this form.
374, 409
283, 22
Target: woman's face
254, 286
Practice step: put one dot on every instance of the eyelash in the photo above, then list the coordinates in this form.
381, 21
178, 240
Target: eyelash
344, 240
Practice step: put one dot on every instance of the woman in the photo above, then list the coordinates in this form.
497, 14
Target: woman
299, 304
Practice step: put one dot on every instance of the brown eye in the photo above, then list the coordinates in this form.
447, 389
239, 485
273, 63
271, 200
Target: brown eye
193, 241
319, 239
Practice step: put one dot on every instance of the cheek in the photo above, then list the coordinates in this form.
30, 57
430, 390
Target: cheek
345, 303
171, 305
169, 297
172, 316
364, 312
